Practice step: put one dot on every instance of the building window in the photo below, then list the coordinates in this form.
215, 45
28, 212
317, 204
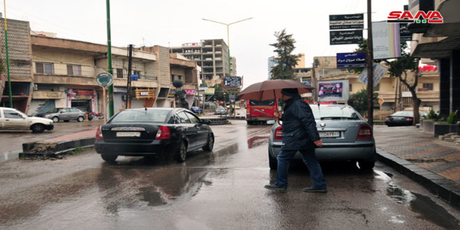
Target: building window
46, 68
350, 86
74, 70
119, 73
377, 88
428, 86
176, 77
138, 73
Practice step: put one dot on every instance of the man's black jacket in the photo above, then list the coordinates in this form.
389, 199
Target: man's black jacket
299, 126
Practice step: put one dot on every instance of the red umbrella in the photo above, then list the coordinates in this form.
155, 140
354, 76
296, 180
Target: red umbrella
271, 89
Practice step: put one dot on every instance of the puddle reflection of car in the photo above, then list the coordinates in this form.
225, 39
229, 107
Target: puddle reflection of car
402, 118
220, 111
150, 131
345, 135
64, 114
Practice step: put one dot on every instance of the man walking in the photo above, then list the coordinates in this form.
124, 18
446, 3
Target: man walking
299, 134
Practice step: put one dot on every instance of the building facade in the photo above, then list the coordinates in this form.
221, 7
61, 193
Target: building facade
396, 96
20, 58
211, 55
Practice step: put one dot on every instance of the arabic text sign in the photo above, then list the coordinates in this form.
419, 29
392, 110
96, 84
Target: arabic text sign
349, 21
351, 60
232, 81
345, 37
379, 71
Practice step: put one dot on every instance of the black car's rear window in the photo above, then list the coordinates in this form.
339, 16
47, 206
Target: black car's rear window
157, 116
334, 113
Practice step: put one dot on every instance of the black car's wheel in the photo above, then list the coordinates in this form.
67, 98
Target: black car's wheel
55, 119
272, 161
109, 158
366, 165
80, 119
210, 144
38, 128
181, 152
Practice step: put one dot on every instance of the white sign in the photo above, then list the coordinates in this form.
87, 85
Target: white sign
379, 71
406, 94
385, 39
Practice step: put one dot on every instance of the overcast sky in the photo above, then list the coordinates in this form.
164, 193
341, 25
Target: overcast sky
171, 23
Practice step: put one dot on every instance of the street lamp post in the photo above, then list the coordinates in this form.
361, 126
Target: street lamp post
228, 40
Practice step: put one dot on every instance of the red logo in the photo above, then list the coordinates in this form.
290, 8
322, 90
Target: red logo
419, 17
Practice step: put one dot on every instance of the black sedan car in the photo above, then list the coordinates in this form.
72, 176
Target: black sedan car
148, 131
402, 118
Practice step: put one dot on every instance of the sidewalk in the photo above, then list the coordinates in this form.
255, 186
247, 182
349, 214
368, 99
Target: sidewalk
433, 163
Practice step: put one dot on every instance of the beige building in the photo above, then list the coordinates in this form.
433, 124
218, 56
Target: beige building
395, 95
65, 70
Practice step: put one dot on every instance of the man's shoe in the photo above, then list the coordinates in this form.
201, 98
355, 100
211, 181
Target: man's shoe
315, 190
275, 188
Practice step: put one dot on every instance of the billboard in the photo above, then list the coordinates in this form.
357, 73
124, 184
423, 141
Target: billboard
345, 37
386, 40
335, 90
351, 60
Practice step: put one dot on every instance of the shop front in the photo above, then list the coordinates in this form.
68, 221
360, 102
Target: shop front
83, 99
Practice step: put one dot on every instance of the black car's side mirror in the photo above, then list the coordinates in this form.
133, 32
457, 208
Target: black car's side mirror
206, 121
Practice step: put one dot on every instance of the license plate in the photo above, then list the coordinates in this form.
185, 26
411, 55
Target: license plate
128, 134
329, 134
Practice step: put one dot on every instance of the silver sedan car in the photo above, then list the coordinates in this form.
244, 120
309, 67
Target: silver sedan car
345, 134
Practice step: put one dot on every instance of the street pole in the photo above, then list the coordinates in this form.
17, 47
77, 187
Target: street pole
8, 60
109, 61
128, 87
370, 67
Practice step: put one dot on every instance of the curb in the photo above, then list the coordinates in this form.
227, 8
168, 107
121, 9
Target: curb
446, 189
53, 149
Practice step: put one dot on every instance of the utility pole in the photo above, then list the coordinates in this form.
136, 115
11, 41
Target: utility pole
109, 62
370, 67
128, 87
8, 60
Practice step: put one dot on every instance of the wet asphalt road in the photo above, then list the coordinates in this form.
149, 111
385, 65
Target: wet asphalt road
11, 141
222, 189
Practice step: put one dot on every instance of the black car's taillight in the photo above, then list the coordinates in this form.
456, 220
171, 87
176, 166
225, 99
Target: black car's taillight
365, 132
163, 133
409, 119
387, 119
279, 133
99, 133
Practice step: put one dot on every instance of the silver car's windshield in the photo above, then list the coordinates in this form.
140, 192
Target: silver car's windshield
334, 113
157, 116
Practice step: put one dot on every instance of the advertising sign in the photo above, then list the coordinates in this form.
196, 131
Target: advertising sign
379, 71
351, 60
385, 40
345, 37
209, 91
232, 82
346, 21
336, 90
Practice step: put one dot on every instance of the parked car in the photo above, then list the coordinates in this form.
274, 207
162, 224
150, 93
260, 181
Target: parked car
220, 111
65, 114
148, 131
196, 109
345, 135
402, 118
12, 119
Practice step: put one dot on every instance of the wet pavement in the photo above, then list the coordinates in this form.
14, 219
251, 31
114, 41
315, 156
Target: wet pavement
222, 189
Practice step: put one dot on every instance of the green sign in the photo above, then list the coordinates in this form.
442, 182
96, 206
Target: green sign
104, 79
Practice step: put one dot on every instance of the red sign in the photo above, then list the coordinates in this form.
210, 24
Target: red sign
190, 92
419, 17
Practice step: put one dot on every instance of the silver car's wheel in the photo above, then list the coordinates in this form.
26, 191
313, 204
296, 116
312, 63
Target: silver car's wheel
38, 128
80, 119
55, 119
272, 161
181, 153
